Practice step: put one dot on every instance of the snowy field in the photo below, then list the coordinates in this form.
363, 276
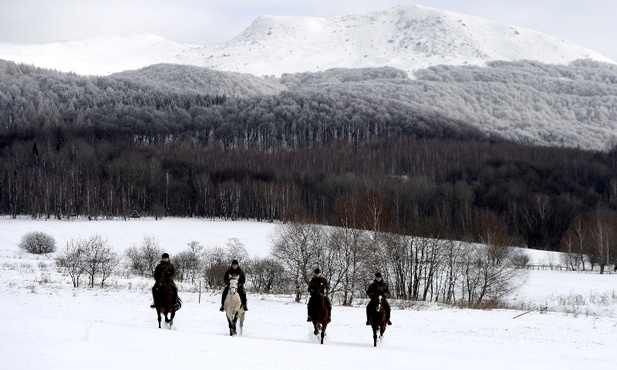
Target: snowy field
559, 320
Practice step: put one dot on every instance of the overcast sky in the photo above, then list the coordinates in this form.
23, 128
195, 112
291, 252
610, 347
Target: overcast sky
588, 23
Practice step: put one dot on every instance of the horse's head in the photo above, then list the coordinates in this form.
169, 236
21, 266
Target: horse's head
233, 284
318, 294
377, 301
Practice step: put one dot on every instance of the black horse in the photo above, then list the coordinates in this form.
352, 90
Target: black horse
377, 318
164, 301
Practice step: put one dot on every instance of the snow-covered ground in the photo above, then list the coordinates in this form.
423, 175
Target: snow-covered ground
566, 320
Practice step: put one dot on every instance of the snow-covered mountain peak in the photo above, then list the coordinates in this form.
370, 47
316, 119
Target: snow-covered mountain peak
404, 37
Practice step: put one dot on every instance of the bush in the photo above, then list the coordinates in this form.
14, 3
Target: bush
38, 243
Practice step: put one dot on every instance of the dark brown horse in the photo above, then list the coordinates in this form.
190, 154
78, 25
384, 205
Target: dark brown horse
164, 301
318, 311
377, 317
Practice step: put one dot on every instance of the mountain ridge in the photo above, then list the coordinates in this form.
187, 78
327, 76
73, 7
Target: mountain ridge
404, 37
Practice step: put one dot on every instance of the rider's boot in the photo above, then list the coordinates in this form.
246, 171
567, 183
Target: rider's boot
330, 314
222, 309
152, 305
368, 322
309, 319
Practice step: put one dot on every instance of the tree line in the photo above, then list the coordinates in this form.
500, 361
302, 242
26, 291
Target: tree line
420, 269
435, 187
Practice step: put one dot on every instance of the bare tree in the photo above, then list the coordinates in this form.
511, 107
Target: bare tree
350, 246
91, 256
143, 259
188, 261
71, 259
94, 252
574, 243
297, 246
603, 237
109, 261
214, 263
268, 276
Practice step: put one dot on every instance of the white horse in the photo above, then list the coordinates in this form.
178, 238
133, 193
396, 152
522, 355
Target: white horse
233, 306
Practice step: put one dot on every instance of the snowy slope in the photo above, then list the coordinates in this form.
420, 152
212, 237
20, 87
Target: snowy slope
97, 56
405, 37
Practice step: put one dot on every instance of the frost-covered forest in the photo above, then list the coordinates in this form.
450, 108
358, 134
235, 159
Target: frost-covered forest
524, 147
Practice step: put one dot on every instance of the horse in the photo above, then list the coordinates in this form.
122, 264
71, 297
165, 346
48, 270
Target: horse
233, 307
164, 301
318, 311
377, 318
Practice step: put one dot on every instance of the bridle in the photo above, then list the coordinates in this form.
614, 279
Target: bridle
233, 289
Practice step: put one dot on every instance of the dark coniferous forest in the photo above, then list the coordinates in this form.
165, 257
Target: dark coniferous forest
357, 148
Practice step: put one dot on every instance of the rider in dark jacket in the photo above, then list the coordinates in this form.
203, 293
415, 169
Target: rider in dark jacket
378, 288
319, 284
167, 270
234, 270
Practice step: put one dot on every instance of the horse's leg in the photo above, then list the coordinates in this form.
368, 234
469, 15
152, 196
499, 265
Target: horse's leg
236, 323
374, 337
158, 313
231, 326
171, 319
241, 321
323, 331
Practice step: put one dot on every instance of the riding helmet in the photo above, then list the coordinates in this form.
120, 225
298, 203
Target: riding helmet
165, 255
317, 271
234, 262
378, 274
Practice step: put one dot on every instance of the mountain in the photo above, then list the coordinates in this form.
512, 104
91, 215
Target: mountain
405, 37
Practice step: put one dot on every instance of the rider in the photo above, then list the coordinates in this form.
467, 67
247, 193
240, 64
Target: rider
167, 270
319, 284
234, 270
378, 288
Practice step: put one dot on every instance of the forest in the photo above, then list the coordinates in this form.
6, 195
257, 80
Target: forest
370, 149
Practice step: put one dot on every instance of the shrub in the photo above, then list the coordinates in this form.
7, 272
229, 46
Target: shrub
38, 243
